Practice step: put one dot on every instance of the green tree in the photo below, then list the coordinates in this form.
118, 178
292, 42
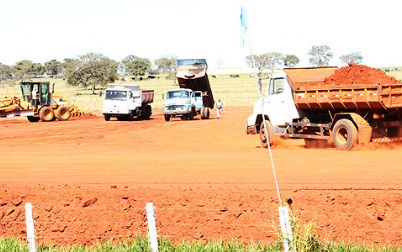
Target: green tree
320, 55
38, 69
354, 57
268, 60
136, 66
53, 67
166, 64
6, 74
91, 70
291, 60
23, 70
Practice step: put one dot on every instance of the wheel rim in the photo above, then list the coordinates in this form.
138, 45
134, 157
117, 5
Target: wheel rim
64, 113
342, 136
48, 115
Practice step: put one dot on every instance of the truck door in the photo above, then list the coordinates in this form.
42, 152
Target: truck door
196, 98
278, 104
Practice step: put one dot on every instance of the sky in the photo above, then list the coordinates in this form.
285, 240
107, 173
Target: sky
42, 30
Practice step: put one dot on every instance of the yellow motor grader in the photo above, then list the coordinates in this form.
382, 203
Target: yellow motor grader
38, 104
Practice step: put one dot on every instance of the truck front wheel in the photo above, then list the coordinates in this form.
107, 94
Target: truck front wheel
107, 117
167, 118
344, 134
263, 137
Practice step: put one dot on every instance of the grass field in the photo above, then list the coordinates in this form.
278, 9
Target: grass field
141, 245
240, 91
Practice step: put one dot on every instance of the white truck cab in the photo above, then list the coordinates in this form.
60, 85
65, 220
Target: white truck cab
277, 106
125, 101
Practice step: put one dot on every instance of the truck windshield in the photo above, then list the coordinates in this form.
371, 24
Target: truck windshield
116, 95
178, 94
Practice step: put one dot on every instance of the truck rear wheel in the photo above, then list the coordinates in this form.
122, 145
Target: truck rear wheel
263, 138
107, 117
147, 112
344, 135
46, 114
167, 118
394, 132
205, 113
63, 113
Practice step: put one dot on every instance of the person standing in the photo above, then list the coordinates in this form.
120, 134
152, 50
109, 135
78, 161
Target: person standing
219, 107
35, 100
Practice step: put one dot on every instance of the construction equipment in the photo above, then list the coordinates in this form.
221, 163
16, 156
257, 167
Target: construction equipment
299, 104
127, 102
38, 104
195, 91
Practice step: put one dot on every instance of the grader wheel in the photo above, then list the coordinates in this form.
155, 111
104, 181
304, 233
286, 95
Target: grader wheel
63, 113
46, 114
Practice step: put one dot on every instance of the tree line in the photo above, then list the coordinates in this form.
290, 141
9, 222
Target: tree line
94, 69
320, 55
89, 70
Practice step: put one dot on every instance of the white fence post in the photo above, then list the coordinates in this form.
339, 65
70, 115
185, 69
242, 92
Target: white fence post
286, 228
30, 227
153, 237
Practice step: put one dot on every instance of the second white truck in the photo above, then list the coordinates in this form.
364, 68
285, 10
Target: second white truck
127, 102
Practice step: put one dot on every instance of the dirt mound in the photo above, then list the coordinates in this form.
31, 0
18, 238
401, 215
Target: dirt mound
359, 74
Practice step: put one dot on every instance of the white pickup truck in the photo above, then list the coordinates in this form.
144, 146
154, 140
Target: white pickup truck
127, 102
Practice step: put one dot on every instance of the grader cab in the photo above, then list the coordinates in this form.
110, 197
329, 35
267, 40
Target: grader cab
38, 97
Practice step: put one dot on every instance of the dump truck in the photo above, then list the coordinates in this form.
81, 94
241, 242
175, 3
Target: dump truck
184, 103
127, 102
38, 103
193, 80
298, 104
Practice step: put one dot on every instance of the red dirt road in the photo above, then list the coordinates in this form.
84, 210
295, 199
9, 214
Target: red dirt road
206, 178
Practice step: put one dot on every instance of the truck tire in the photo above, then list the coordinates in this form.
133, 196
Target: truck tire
202, 113
344, 135
205, 113
107, 117
33, 119
167, 118
46, 114
147, 112
315, 143
191, 116
263, 138
63, 113
394, 132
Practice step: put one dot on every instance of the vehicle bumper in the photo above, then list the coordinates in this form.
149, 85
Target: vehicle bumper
176, 113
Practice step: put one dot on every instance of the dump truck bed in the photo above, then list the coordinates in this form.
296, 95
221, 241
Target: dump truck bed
192, 74
311, 93
147, 96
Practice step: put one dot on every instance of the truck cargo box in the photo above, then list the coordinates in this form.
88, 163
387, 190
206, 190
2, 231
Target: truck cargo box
312, 93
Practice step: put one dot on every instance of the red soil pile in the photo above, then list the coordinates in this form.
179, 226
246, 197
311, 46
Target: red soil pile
359, 74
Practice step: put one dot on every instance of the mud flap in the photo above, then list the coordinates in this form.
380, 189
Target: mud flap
363, 128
